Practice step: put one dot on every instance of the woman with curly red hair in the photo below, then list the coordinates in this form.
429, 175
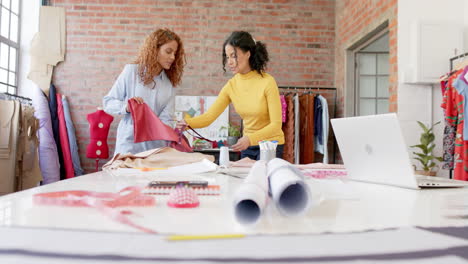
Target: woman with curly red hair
150, 79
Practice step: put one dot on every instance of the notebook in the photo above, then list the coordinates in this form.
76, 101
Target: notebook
373, 150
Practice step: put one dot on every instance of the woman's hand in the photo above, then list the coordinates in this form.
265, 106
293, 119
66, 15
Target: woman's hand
242, 144
139, 100
181, 124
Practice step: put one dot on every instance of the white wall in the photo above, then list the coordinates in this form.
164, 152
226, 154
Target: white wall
29, 27
422, 102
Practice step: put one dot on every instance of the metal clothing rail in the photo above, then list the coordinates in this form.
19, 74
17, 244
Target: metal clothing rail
316, 90
456, 58
22, 99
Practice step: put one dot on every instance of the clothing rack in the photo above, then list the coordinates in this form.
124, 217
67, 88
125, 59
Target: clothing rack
316, 90
9, 96
456, 58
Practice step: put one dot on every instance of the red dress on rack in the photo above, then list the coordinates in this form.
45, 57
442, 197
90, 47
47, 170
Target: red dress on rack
99, 124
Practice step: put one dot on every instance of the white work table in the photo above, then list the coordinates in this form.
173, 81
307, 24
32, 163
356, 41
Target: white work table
349, 221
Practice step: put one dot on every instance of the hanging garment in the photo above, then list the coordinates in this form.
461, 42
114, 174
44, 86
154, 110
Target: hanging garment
28, 172
306, 140
284, 108
454, 105
323, 148
448, 144
72, 138
67, 158
10, 113
48, 155
288, 130
155, 158
148, 127
296, 129
99, 124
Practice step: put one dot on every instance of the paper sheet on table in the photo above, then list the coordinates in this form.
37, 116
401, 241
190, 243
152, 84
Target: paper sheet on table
251, 196
194, 168
290, 193
405, 245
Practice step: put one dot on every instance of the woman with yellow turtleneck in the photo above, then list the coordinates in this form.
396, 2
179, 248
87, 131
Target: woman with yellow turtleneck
253, 92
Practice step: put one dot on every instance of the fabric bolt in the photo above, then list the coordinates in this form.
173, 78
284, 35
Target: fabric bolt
284, 108
288, 130
256, 100
99, 124
67, 158
306, 133
148, 127
296, 130
48, 155
155, 158
323, 147
159, 96
55, 126
10, 113
28, 172
72, 138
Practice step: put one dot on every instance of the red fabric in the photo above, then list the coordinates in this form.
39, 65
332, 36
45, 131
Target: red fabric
148, 127
66, 153
99, 124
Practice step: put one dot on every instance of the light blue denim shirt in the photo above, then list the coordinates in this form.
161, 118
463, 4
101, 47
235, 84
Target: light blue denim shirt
160, 99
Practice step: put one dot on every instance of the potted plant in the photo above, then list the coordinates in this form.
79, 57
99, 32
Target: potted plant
234, 134
426, 146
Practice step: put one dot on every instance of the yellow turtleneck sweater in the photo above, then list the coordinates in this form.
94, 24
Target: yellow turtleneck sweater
256, 99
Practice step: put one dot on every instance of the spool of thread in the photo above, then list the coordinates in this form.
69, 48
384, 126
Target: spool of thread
224, 156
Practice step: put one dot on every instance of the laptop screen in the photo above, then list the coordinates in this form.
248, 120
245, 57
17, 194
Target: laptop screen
373, 150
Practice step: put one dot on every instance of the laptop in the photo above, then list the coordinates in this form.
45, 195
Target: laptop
374, 151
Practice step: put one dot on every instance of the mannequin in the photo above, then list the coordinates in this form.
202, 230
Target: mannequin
99, 124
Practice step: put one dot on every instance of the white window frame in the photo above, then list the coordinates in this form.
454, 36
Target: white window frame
11, 89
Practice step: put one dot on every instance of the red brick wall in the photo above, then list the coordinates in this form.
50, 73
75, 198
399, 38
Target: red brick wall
354, 20
104, 35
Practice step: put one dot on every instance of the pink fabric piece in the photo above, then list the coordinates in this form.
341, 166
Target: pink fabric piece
325, 174
67, 158
104, 202
284, 108
148, 127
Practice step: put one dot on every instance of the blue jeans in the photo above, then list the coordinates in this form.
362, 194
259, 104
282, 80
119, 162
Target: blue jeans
253, 152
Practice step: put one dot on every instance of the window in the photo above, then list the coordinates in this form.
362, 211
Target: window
372, 78
9, 45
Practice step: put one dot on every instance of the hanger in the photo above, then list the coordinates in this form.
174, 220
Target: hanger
462, 64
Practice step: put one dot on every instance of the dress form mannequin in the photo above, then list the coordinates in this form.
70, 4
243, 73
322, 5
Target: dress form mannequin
99, 124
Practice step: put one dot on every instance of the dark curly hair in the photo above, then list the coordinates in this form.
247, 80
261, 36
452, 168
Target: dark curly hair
258, 52
147, 59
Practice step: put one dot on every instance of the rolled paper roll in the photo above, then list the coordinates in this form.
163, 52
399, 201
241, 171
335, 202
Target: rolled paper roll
251, 197
290, 193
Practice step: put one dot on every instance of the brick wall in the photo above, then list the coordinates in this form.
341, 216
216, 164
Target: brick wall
104, 35
354, 20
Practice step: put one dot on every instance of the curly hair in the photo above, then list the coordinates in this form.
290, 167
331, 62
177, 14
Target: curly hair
147, 59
